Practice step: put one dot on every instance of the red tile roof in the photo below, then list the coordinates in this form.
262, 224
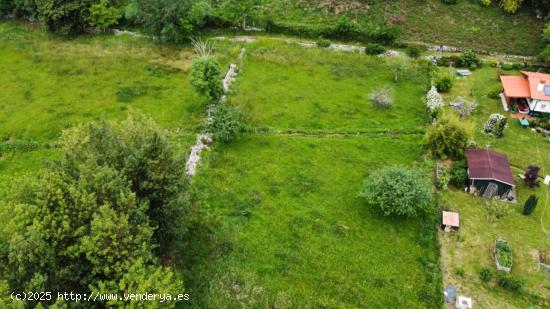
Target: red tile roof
515, 86
535, 79
526, 86
489, 165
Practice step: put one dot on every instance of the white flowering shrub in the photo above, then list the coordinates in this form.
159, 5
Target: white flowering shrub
433, 99
382, 97
467, 107
495, 125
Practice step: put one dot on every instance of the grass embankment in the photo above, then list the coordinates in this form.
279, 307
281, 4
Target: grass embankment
465, 24
525, 234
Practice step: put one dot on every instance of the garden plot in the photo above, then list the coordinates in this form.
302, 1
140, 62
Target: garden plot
288, 87
473, 249
297, 233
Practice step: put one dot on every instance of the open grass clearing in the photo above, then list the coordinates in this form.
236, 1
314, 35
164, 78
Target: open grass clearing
297, 231
290, 87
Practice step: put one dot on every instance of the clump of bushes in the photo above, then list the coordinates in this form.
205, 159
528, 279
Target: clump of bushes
226, 123
449, 1
374, 49
530, 204
397, 190
495, 125
444, 84
510, 282
322, 42
434, 102
382, 98
414, 51
469, 59
448, 139
459, 173
206, 78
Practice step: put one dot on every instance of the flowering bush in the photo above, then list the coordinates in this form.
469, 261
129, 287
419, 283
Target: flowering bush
433, 99
495, 125
382, 98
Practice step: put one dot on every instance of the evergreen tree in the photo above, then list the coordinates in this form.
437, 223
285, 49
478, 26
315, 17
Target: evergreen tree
530, 204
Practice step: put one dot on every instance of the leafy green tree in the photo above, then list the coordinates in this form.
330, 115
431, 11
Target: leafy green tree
103, 16
448, 139
397, 190
67, 17
239, 12
101, 218
170, 20
138, 150
206, 77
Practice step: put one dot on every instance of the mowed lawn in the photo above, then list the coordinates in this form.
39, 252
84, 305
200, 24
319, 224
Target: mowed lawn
288, 87
298, 235
524, 233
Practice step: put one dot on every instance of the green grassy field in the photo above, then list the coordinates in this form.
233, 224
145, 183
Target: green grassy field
292, 230
289, 87
525, 233
297, 231
465, 24
49, 84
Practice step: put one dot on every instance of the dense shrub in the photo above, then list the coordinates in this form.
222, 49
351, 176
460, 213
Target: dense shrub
468, 59
171, 21
323, 43
103, 15
434, 100
448, 139
510, 282
206, 77
397, 190
374, 49
382, 97
485, 274
495, 125
444, 84
225, 123
449, 1
65, 17
459, 174
414, 51
530, 204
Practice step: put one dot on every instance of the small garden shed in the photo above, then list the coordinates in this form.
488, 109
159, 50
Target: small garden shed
489, 173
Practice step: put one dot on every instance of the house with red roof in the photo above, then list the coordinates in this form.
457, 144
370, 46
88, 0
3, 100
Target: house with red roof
530, 92
489, 174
